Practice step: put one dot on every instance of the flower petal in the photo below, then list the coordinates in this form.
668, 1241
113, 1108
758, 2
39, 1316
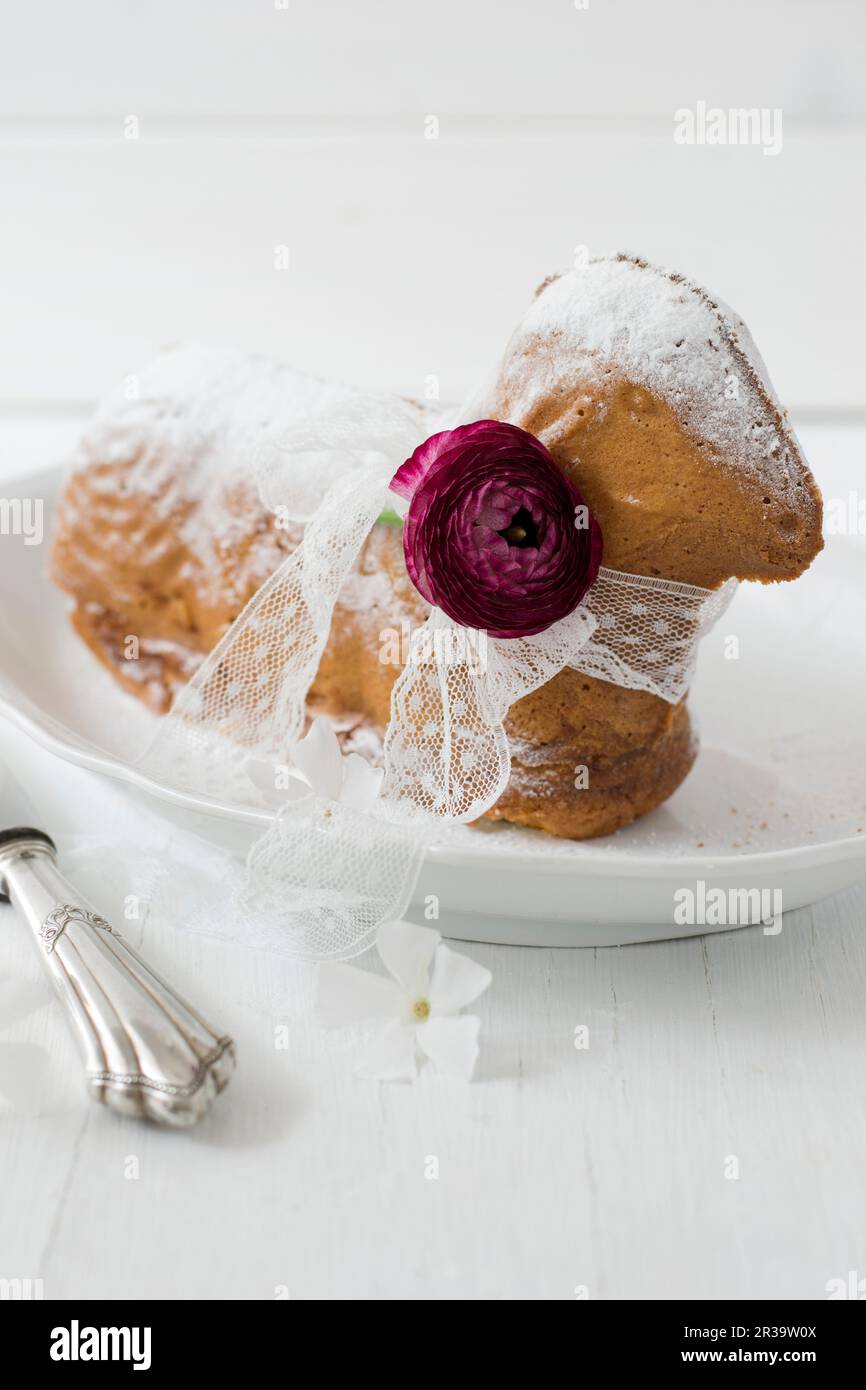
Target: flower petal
346, 994
407, 952
361, 782
451, 1044
391, 1056
421, 463
418, 465
457, 981
319, 758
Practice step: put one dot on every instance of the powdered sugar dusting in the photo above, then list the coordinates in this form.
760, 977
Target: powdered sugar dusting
666, 334
209, 397
184, 430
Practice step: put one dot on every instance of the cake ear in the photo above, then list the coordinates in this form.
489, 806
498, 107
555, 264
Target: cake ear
653, 395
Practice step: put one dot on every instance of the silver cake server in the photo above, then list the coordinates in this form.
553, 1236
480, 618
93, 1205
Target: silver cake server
147, 1053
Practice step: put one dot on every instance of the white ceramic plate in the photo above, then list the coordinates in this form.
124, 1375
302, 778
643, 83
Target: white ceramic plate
775, 802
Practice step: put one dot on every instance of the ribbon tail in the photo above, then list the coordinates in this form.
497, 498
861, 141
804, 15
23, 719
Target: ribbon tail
324, 877
446, 749
446, 753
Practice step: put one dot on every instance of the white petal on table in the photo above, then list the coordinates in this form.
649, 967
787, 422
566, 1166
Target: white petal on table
451, 1044
361, 782
345, 994
407, 952
319, 758
457, 981
391, 1056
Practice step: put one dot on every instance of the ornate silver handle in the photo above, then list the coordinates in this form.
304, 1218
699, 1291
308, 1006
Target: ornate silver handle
146, 1052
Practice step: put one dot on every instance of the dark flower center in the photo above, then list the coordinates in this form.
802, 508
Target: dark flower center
522, 532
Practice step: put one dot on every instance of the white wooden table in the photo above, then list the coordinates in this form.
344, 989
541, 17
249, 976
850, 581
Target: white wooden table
710, 1140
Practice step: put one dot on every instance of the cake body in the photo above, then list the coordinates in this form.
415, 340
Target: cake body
646, 390
161, 535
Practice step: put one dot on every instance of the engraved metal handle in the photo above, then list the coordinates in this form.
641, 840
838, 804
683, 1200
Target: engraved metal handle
146, 1052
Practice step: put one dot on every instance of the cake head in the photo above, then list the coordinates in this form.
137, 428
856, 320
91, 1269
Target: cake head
650, 393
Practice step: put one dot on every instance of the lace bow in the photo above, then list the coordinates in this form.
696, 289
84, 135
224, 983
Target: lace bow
328, 871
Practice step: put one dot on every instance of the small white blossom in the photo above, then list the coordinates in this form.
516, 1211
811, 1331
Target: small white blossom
333, 775
418, 1007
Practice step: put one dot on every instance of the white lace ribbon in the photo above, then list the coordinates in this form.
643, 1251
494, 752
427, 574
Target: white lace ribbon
332, 873
245, 706
446, 750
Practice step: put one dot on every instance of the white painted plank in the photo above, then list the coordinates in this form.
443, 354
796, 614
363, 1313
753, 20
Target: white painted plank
409, 257
481, 57
556, 1169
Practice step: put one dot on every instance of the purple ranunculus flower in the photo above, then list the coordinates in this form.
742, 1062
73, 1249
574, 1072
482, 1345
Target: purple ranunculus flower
493, 534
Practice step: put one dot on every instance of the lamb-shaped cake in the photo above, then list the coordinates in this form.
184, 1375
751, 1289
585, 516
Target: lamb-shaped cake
645, 389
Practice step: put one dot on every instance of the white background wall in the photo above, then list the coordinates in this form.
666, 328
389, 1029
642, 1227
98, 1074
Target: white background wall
304, 127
